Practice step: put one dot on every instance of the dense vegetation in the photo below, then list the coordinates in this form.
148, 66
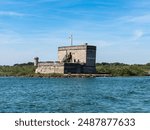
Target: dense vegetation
17, 70
113, 69
120, 69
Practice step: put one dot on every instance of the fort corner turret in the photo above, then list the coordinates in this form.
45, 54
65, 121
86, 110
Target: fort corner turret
71, 59
36, 60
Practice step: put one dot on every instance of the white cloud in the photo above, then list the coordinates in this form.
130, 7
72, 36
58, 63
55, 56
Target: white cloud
138, 34
11, 13
141, 19
136, 19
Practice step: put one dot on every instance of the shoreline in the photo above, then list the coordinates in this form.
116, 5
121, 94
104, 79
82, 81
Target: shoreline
60, 75
68, 76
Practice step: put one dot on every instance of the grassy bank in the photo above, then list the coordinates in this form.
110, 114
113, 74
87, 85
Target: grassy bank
113, 69
27, 70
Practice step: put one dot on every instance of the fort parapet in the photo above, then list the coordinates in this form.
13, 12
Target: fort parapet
49, 63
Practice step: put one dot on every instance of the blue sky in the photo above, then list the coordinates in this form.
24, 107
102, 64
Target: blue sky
119, 28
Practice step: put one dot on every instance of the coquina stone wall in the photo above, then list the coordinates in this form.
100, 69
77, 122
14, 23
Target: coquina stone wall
50, 69
78, 53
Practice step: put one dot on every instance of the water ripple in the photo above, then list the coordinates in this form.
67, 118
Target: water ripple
130, 94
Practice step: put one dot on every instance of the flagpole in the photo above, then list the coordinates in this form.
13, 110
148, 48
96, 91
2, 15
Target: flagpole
71, 40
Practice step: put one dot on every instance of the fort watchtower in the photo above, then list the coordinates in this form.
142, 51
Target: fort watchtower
81, 54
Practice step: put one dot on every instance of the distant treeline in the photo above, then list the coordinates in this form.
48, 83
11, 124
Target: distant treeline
113, 69
25, 64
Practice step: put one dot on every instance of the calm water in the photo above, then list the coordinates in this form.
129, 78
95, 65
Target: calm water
75, 94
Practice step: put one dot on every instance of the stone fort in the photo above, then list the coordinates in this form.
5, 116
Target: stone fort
79, 59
